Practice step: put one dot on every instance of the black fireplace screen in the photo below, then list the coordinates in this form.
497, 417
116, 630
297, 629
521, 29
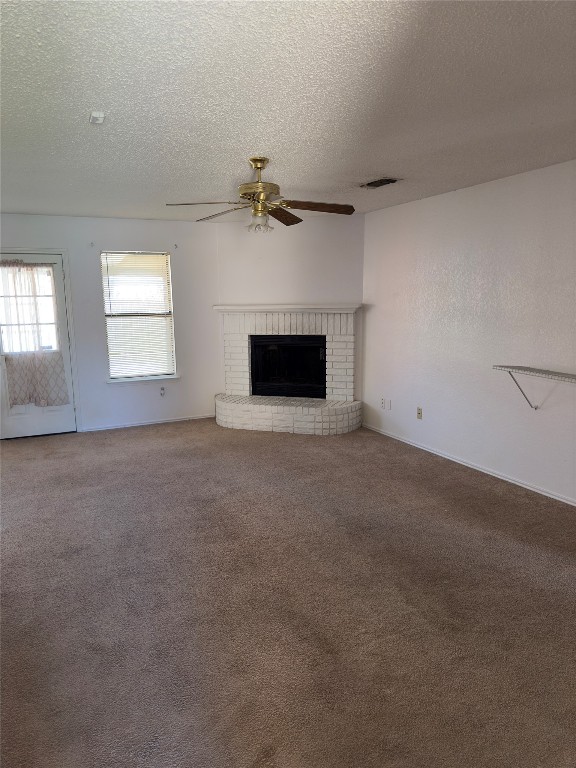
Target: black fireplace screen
291, 366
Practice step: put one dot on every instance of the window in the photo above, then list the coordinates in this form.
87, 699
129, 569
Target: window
27, 308
138, 309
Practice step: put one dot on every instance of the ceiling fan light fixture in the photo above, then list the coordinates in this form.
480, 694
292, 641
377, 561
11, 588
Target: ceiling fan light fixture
259, 223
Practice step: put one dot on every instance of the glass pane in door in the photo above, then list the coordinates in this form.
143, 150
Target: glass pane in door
27, 308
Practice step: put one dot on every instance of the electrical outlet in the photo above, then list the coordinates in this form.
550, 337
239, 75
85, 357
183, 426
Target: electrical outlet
162, 391
418, 412
383, 403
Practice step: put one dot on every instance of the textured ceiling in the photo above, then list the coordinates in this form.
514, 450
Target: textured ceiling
441, 94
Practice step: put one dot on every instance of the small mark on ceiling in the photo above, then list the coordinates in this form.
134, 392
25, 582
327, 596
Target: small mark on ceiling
97, 118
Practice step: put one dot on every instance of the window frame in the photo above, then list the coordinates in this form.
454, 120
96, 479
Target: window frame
146, 377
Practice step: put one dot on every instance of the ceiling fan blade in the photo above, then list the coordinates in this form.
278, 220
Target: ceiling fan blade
306, 205
284, 216
221, 202
214, 215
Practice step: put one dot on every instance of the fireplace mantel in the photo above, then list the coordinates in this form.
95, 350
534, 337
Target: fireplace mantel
339, 308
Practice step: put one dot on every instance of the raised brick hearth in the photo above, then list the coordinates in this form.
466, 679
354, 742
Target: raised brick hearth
239, 409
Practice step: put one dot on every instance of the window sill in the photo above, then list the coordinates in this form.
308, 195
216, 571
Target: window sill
138, 379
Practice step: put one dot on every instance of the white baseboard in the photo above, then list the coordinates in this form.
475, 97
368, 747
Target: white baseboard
146, 423
499, 475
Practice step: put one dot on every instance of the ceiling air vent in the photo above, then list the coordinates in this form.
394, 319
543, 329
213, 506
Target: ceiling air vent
378, 183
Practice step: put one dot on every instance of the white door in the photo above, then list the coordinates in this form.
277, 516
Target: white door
35, 378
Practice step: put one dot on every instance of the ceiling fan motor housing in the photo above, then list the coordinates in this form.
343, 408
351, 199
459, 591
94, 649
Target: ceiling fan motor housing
258, 190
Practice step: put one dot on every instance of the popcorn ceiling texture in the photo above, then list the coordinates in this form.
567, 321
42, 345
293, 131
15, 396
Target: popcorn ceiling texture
443, 95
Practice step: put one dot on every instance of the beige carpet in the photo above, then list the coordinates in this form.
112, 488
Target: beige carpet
186, 596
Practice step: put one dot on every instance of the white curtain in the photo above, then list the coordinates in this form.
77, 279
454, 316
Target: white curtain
34, 364
36, 378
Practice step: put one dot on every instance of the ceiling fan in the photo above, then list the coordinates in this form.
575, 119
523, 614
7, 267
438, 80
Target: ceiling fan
265, 200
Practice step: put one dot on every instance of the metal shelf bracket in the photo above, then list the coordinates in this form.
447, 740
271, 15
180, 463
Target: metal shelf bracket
540, 372
535, 407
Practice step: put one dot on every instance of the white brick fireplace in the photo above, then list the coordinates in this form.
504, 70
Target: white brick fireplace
238, 408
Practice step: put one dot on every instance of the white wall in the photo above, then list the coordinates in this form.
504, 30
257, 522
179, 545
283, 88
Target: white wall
457, 283
453, 284
194, 279
321, 262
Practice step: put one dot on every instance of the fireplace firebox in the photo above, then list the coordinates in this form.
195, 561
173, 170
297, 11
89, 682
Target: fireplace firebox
288, 366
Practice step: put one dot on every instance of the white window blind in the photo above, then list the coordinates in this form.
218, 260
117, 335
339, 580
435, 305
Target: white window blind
138, 309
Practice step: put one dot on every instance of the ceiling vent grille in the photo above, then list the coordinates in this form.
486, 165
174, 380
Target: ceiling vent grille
378, 183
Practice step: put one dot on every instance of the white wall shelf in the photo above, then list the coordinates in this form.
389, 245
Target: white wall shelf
540, 372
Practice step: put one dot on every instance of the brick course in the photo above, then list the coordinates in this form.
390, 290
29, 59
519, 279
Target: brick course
299, 415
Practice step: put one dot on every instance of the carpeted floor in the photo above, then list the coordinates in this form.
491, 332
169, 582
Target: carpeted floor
187, 596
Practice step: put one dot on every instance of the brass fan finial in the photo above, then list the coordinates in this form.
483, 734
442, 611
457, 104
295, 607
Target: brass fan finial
258, 164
